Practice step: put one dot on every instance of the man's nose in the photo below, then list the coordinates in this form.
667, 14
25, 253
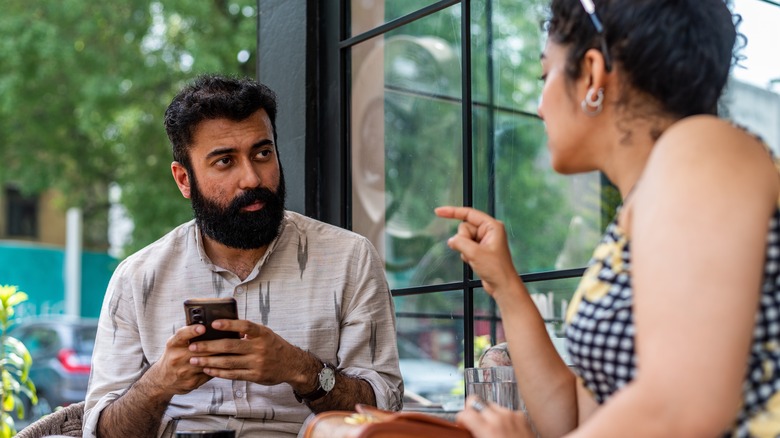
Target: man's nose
250, 176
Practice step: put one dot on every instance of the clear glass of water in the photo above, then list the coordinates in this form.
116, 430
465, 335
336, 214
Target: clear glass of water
496, 385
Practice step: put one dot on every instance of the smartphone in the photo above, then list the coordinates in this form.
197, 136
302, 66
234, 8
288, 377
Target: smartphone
207, 310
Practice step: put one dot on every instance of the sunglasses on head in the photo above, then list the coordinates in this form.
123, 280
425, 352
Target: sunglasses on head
590, 8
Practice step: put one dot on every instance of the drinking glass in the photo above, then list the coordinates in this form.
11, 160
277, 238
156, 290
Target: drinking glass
496, 385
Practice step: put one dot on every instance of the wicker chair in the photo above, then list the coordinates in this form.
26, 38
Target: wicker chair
65, 422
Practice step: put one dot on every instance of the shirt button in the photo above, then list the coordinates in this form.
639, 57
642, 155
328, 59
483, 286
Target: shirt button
240, 290
239, 394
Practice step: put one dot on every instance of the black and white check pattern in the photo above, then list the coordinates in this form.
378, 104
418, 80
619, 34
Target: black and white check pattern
600, 335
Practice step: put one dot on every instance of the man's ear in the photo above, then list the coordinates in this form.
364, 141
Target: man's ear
182, 178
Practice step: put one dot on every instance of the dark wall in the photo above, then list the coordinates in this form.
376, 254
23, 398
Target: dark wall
282, 35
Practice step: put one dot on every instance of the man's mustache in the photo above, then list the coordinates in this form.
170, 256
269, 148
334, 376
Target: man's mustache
251, 196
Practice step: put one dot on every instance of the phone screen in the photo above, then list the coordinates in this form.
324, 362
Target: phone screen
207, 310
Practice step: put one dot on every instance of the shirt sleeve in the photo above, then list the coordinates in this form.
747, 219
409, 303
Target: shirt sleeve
368, 348
118, 359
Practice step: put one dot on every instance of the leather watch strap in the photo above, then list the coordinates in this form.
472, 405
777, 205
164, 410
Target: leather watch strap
328, 372
310, 397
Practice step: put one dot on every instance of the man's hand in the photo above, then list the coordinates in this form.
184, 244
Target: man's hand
174, 373
260, 356
139, 411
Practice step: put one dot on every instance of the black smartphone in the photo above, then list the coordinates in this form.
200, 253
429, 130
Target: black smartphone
207, 310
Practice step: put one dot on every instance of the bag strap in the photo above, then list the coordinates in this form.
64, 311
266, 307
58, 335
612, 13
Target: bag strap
344, 423
404, 416
335, 418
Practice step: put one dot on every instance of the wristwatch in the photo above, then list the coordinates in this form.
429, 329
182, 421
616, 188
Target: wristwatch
326, 378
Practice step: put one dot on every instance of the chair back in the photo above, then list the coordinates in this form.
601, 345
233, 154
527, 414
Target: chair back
65, 422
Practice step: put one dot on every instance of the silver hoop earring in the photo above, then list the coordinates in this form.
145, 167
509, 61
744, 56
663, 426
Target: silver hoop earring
591, 106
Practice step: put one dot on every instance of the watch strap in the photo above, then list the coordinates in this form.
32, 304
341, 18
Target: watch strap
317, 393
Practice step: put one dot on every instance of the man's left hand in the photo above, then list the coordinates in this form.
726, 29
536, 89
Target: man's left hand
260, 356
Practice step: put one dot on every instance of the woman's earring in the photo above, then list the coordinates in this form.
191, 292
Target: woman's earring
591, 106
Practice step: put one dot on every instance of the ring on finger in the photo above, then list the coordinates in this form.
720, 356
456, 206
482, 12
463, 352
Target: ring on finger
478, 406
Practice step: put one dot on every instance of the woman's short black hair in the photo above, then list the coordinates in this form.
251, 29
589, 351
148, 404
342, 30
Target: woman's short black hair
214, 97
679, 52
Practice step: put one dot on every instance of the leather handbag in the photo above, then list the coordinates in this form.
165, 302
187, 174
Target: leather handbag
370, 422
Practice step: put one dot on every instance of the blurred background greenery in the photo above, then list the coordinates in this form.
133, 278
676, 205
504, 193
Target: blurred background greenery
83, 88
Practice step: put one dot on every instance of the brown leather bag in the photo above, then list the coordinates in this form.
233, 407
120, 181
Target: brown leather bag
370, 422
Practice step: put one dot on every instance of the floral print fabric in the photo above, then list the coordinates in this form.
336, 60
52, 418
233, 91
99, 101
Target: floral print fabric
600, 332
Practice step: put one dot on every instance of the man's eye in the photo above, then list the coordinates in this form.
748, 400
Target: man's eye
264, 153
223, 161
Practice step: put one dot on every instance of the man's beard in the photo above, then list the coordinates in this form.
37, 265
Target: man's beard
240, 229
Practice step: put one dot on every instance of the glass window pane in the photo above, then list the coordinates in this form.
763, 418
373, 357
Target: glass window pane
430, 346
368, 14
41, 341
21, 214
551, 297
506, 39
406, 146
552, 221
488, 328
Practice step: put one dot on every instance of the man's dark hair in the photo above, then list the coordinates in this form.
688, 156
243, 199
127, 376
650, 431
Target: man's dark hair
214, 97
679, 52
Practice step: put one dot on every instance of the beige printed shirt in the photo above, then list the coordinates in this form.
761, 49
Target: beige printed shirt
320, 287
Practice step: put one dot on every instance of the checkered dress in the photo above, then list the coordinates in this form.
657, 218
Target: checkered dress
600, 332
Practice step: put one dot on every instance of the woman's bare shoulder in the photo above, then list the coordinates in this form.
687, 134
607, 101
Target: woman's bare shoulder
704, 131
715, 151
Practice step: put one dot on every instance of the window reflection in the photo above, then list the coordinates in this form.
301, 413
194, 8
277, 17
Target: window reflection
368, 14
407, 157
551, 298
406, 146
430, 346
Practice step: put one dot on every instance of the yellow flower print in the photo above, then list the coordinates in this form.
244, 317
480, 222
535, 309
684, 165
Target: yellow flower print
768, 368
590, 286
766, 423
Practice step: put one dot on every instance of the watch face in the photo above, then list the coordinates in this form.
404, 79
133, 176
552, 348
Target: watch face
327, 378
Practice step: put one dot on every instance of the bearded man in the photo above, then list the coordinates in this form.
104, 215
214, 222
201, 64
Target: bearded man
316, 320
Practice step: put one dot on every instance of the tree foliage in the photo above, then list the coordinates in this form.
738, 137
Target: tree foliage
83, 89
551, 221
512, 178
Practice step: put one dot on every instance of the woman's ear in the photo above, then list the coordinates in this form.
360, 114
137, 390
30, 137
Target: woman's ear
182, 178
594, 70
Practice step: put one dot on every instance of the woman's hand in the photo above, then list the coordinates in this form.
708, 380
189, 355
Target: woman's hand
481, 241
488, 420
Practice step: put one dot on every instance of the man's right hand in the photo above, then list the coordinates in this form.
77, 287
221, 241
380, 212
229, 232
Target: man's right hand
173, 373
139, 411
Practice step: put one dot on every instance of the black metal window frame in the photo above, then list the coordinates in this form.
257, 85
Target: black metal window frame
468, 284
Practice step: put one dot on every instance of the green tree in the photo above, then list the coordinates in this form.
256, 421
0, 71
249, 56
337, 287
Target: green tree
423, 148
82, 93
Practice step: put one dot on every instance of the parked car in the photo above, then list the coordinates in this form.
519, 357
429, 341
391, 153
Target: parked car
426, 380
61, 350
